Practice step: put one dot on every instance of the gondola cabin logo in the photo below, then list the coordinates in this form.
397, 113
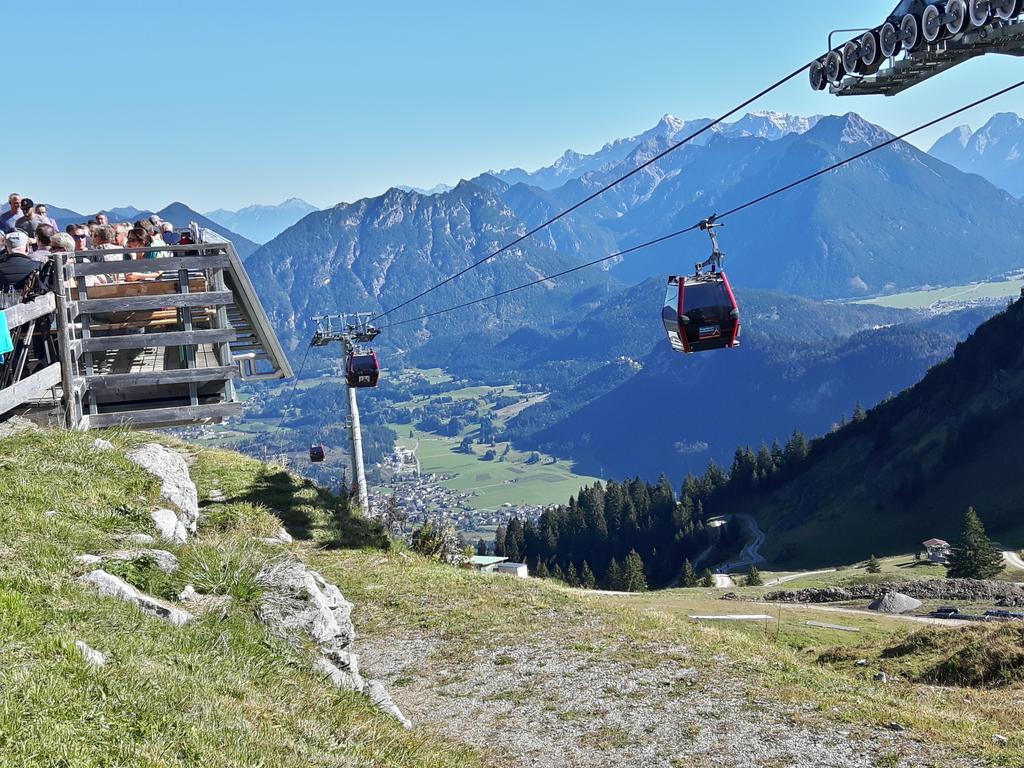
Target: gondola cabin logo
710, 332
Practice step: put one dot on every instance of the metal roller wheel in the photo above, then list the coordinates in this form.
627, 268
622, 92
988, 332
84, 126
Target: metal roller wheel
1005, 9
816, 73
834, 70
910, 32
931, 24
851, 57
889, 40
869, 51
958, 10
978, 12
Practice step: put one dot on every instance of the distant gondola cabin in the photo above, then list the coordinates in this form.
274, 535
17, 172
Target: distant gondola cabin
317, 453
701, 313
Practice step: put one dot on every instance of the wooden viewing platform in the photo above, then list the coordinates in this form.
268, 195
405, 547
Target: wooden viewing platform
146, 343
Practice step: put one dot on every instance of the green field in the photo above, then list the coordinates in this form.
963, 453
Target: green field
496, 482
934, 298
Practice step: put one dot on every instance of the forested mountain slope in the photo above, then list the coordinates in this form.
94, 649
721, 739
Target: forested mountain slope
909, 469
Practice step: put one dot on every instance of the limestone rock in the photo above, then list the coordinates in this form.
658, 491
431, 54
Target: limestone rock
108, 585
88, 559
342, 669
102, 445
895, 602
177, 487
297, 599
50, 513
161, 558
188, 594
382, 700
1000, 741
91, 655
282, 537
168, 526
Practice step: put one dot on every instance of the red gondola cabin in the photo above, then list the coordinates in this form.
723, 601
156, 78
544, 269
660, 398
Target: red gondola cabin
362, 369
701, 313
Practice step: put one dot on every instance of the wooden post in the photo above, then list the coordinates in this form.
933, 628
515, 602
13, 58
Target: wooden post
68, 360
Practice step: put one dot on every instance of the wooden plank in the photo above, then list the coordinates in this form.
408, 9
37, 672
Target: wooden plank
123, 381
20, 314
144, 288
151, 265
144, 340
126, 304
31, 388
185, 414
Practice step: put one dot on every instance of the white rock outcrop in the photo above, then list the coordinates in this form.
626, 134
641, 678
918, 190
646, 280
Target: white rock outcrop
299, 604
108, 585
91, 655
168, 526
177, 488
281, 538
102, 445
382, 700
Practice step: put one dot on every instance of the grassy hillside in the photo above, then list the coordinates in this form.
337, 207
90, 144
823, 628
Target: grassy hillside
217, 692
492, 670
909, 470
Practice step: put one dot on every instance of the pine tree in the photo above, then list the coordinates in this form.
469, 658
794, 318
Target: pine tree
707, 578
613, 576
481, 547
499, 541
859, 414
541, 571
556, 573
571, 578
873, 565
974, 556
754, 577
633, 577
688, 576
587, 580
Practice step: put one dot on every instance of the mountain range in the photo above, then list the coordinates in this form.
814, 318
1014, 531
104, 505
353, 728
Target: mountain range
995, 151
179, 214
670, 129
593, 339
261, 223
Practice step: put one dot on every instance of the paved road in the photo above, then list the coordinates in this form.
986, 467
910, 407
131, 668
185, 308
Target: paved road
751, 552
724, 582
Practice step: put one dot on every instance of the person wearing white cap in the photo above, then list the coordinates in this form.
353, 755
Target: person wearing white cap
17, 267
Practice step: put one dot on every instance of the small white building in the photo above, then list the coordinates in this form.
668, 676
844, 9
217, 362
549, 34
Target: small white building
517, 570
938, 551
486, 564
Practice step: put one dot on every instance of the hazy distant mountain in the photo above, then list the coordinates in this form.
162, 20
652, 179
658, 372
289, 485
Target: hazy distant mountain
996, 151
437, 189
261, 223
180, 215
571, 165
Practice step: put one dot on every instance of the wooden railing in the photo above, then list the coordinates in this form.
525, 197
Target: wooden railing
149, 342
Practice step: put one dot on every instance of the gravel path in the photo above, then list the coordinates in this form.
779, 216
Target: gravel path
554, 707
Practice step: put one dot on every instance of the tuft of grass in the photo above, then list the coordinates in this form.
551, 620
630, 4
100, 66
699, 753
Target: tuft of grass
224, 565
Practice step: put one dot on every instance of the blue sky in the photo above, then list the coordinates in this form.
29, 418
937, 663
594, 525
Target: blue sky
222, 104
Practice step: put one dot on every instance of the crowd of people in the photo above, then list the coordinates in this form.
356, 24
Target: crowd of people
29, 235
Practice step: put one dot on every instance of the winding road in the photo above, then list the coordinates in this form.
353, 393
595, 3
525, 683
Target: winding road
1013, 559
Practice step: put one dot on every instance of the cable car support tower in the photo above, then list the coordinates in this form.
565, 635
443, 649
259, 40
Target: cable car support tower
351, 330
